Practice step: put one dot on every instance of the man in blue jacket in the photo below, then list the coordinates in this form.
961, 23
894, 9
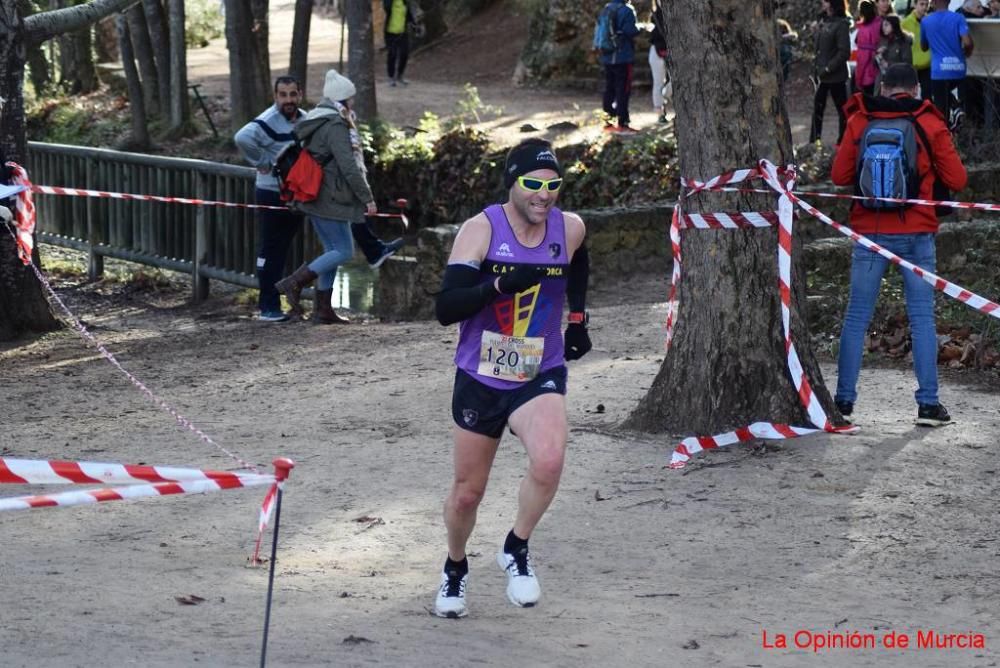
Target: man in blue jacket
618, 65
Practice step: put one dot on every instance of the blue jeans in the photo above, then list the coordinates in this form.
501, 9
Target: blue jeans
867, 269
339, 247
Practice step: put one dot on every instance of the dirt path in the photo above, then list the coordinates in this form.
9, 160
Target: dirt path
483, 51
891, 529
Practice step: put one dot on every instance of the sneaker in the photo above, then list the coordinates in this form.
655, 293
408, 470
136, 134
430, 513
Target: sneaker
522, 585
845, 407
405, 82
392, 83
450, 601
662, 118
388, 250
610, 127
957, 116
272, 316
933, 416
626, 130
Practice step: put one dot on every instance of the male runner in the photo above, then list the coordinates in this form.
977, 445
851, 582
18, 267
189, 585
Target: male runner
511, 268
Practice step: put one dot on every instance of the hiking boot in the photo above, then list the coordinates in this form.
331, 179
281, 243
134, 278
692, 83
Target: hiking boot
272, 316
388, 250
450, 601
291, 287
522, 585
323, 313
933, 416
845, 407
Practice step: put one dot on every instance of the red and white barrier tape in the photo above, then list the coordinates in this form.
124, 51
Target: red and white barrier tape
83, 192
787, 197
24, 213
139, 481
60, 472
735, 220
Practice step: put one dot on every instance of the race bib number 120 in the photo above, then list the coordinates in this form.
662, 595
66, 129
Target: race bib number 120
515, 358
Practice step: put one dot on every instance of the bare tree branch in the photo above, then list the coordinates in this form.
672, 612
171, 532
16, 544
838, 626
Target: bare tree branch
43, 26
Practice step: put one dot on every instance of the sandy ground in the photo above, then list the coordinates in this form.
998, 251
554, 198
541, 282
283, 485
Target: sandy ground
893, 529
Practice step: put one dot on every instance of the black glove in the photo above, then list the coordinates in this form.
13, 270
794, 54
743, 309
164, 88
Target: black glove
521, 278
576, 342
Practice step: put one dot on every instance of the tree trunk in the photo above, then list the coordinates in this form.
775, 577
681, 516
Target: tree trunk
137, 107
106, 41
261, 34
22, 304
298, 62
250, 93
23, 307
361, 57
140, 47
38, 64
727, 365
78, 72
156, 23
180, 109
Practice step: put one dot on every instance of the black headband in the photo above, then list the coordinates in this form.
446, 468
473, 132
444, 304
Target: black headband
527, 158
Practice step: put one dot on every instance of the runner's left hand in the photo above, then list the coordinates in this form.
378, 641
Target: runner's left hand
576, 342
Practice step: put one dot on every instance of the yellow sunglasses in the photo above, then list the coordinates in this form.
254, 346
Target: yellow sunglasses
534, 185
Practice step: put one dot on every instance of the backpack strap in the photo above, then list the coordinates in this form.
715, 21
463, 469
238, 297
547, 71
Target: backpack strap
294, 136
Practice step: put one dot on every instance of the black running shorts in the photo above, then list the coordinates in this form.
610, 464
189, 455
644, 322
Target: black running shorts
484, 410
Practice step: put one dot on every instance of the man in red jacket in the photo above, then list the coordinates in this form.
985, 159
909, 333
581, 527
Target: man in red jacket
909, 232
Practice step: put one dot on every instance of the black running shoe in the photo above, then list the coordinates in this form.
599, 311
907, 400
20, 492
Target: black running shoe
845, 407
933, 416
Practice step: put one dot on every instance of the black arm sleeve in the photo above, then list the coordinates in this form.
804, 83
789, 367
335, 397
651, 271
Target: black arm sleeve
576, 285
462, 295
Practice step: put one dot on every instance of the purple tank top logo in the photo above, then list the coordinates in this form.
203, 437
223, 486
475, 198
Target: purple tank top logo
517, 336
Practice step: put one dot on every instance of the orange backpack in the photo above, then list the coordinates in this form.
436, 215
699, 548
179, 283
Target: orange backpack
299, 175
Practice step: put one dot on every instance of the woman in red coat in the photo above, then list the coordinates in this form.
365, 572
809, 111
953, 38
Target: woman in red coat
867, 41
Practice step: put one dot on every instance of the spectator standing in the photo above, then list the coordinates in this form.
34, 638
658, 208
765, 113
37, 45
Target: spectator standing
788, 38
973, 9
907, 232
618, 66
330, 134
867, 42
994, 12
946, 35
895, 47
398, 19
260, 141
658, 65
833, 48
921, 58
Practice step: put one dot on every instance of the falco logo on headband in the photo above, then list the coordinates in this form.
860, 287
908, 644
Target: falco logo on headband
547, 155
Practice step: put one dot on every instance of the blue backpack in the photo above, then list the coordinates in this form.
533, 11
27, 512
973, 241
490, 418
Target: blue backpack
887, 163
605, 35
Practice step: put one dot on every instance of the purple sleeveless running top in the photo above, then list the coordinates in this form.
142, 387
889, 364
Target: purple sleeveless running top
518, 336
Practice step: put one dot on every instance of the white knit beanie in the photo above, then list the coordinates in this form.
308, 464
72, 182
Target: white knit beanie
337, 87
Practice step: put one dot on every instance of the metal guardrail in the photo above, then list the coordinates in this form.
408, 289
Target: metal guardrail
207, 242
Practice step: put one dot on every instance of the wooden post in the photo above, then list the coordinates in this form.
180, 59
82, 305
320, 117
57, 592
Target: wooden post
199, 284
95, 263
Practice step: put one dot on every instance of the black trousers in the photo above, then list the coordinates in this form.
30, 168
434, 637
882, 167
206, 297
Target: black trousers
276, 229
369, 244
838, 91
941, 95
924, 77
398, 47
617, 89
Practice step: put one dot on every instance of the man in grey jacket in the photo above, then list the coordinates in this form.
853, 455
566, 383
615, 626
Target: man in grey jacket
261, 140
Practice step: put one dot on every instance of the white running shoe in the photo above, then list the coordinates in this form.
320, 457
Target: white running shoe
450, 600
522, 585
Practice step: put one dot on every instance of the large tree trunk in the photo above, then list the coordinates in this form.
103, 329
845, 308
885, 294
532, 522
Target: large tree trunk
22, 304
361, 57
38, 64
180, 107
298, 61
156, 23
249, 91
136, 39
106, 41
727, 364
137, 107
78, 72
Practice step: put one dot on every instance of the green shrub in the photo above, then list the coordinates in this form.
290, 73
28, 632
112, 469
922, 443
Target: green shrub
203, 22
